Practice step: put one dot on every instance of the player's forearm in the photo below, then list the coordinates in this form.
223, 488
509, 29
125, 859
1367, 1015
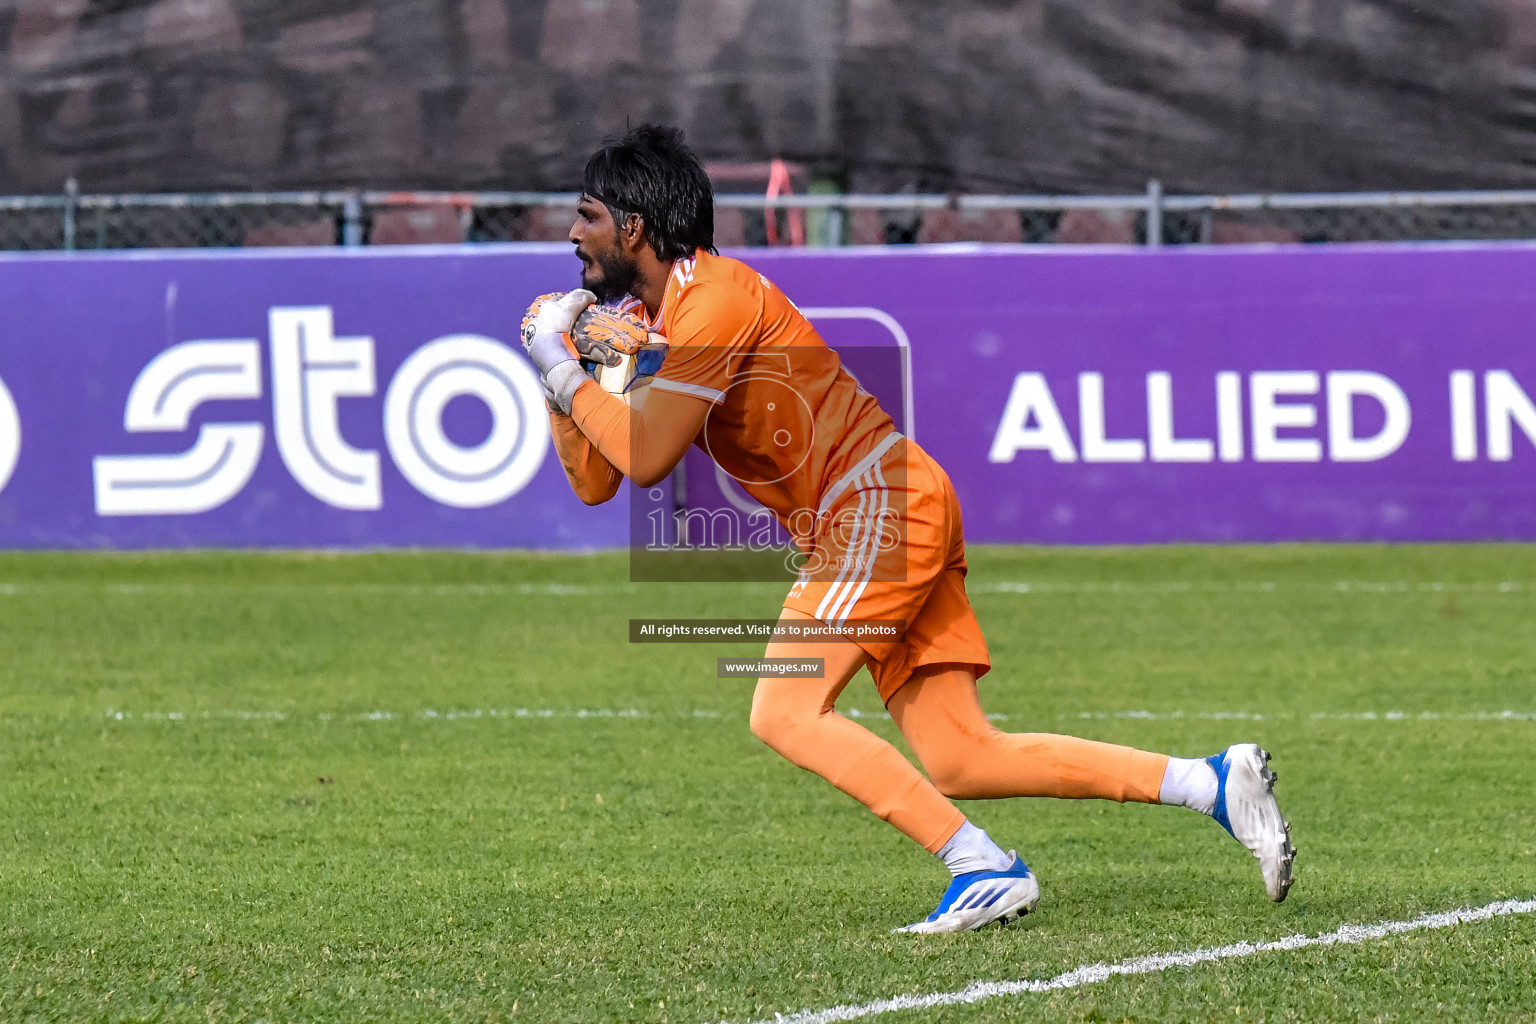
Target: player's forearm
592, 477
642, 444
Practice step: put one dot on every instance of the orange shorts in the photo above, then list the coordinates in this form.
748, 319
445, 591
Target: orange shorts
892, 548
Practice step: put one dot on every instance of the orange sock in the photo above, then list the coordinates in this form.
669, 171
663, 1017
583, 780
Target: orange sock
970, 759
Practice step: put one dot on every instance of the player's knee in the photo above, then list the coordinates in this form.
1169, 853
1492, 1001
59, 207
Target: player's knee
774, 721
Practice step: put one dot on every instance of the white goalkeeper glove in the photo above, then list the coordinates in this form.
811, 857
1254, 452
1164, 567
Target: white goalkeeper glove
545, 326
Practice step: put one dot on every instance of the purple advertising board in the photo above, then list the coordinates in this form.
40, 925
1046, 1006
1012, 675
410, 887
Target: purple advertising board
302, 398
375, 398
1287, 393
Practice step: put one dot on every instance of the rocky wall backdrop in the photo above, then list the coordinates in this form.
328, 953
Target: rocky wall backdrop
980, 95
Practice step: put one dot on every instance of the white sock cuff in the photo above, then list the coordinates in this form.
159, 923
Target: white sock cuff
1189, 782
971, 849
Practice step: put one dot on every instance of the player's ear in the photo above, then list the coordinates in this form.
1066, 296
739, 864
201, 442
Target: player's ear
633, 232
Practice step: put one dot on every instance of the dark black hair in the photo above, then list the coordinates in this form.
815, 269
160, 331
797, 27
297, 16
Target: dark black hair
651, 171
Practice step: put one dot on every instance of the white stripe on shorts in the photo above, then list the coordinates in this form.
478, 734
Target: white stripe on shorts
871, 548
867, 463
847, 566
862, 553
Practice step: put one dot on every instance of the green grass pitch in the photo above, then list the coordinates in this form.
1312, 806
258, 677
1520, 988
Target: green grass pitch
434, 787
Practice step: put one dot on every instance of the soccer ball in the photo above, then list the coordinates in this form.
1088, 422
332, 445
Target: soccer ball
641, 352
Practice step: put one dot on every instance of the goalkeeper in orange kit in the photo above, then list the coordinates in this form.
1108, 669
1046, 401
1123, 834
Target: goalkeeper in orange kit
875, 518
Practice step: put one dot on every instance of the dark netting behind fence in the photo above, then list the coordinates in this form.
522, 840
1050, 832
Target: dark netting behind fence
24, 229
324, 219
205, 226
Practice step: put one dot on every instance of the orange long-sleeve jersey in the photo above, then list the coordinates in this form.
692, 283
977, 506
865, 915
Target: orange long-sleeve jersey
747, 379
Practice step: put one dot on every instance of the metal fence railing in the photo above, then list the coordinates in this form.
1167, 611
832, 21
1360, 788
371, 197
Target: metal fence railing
71, 220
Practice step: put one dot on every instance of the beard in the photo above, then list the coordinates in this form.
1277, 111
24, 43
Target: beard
610, 276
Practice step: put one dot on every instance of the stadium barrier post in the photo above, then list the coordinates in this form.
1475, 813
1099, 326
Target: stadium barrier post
1154, 212
352, 220
71, 197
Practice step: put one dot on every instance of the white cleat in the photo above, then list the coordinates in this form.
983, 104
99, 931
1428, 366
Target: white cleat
978, 898
1246, 808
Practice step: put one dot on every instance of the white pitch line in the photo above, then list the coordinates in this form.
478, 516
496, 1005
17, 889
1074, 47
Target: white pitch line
1026, 587
423, 589
1091, 974
1316, 716
458, 714
425, 714
1252, 587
